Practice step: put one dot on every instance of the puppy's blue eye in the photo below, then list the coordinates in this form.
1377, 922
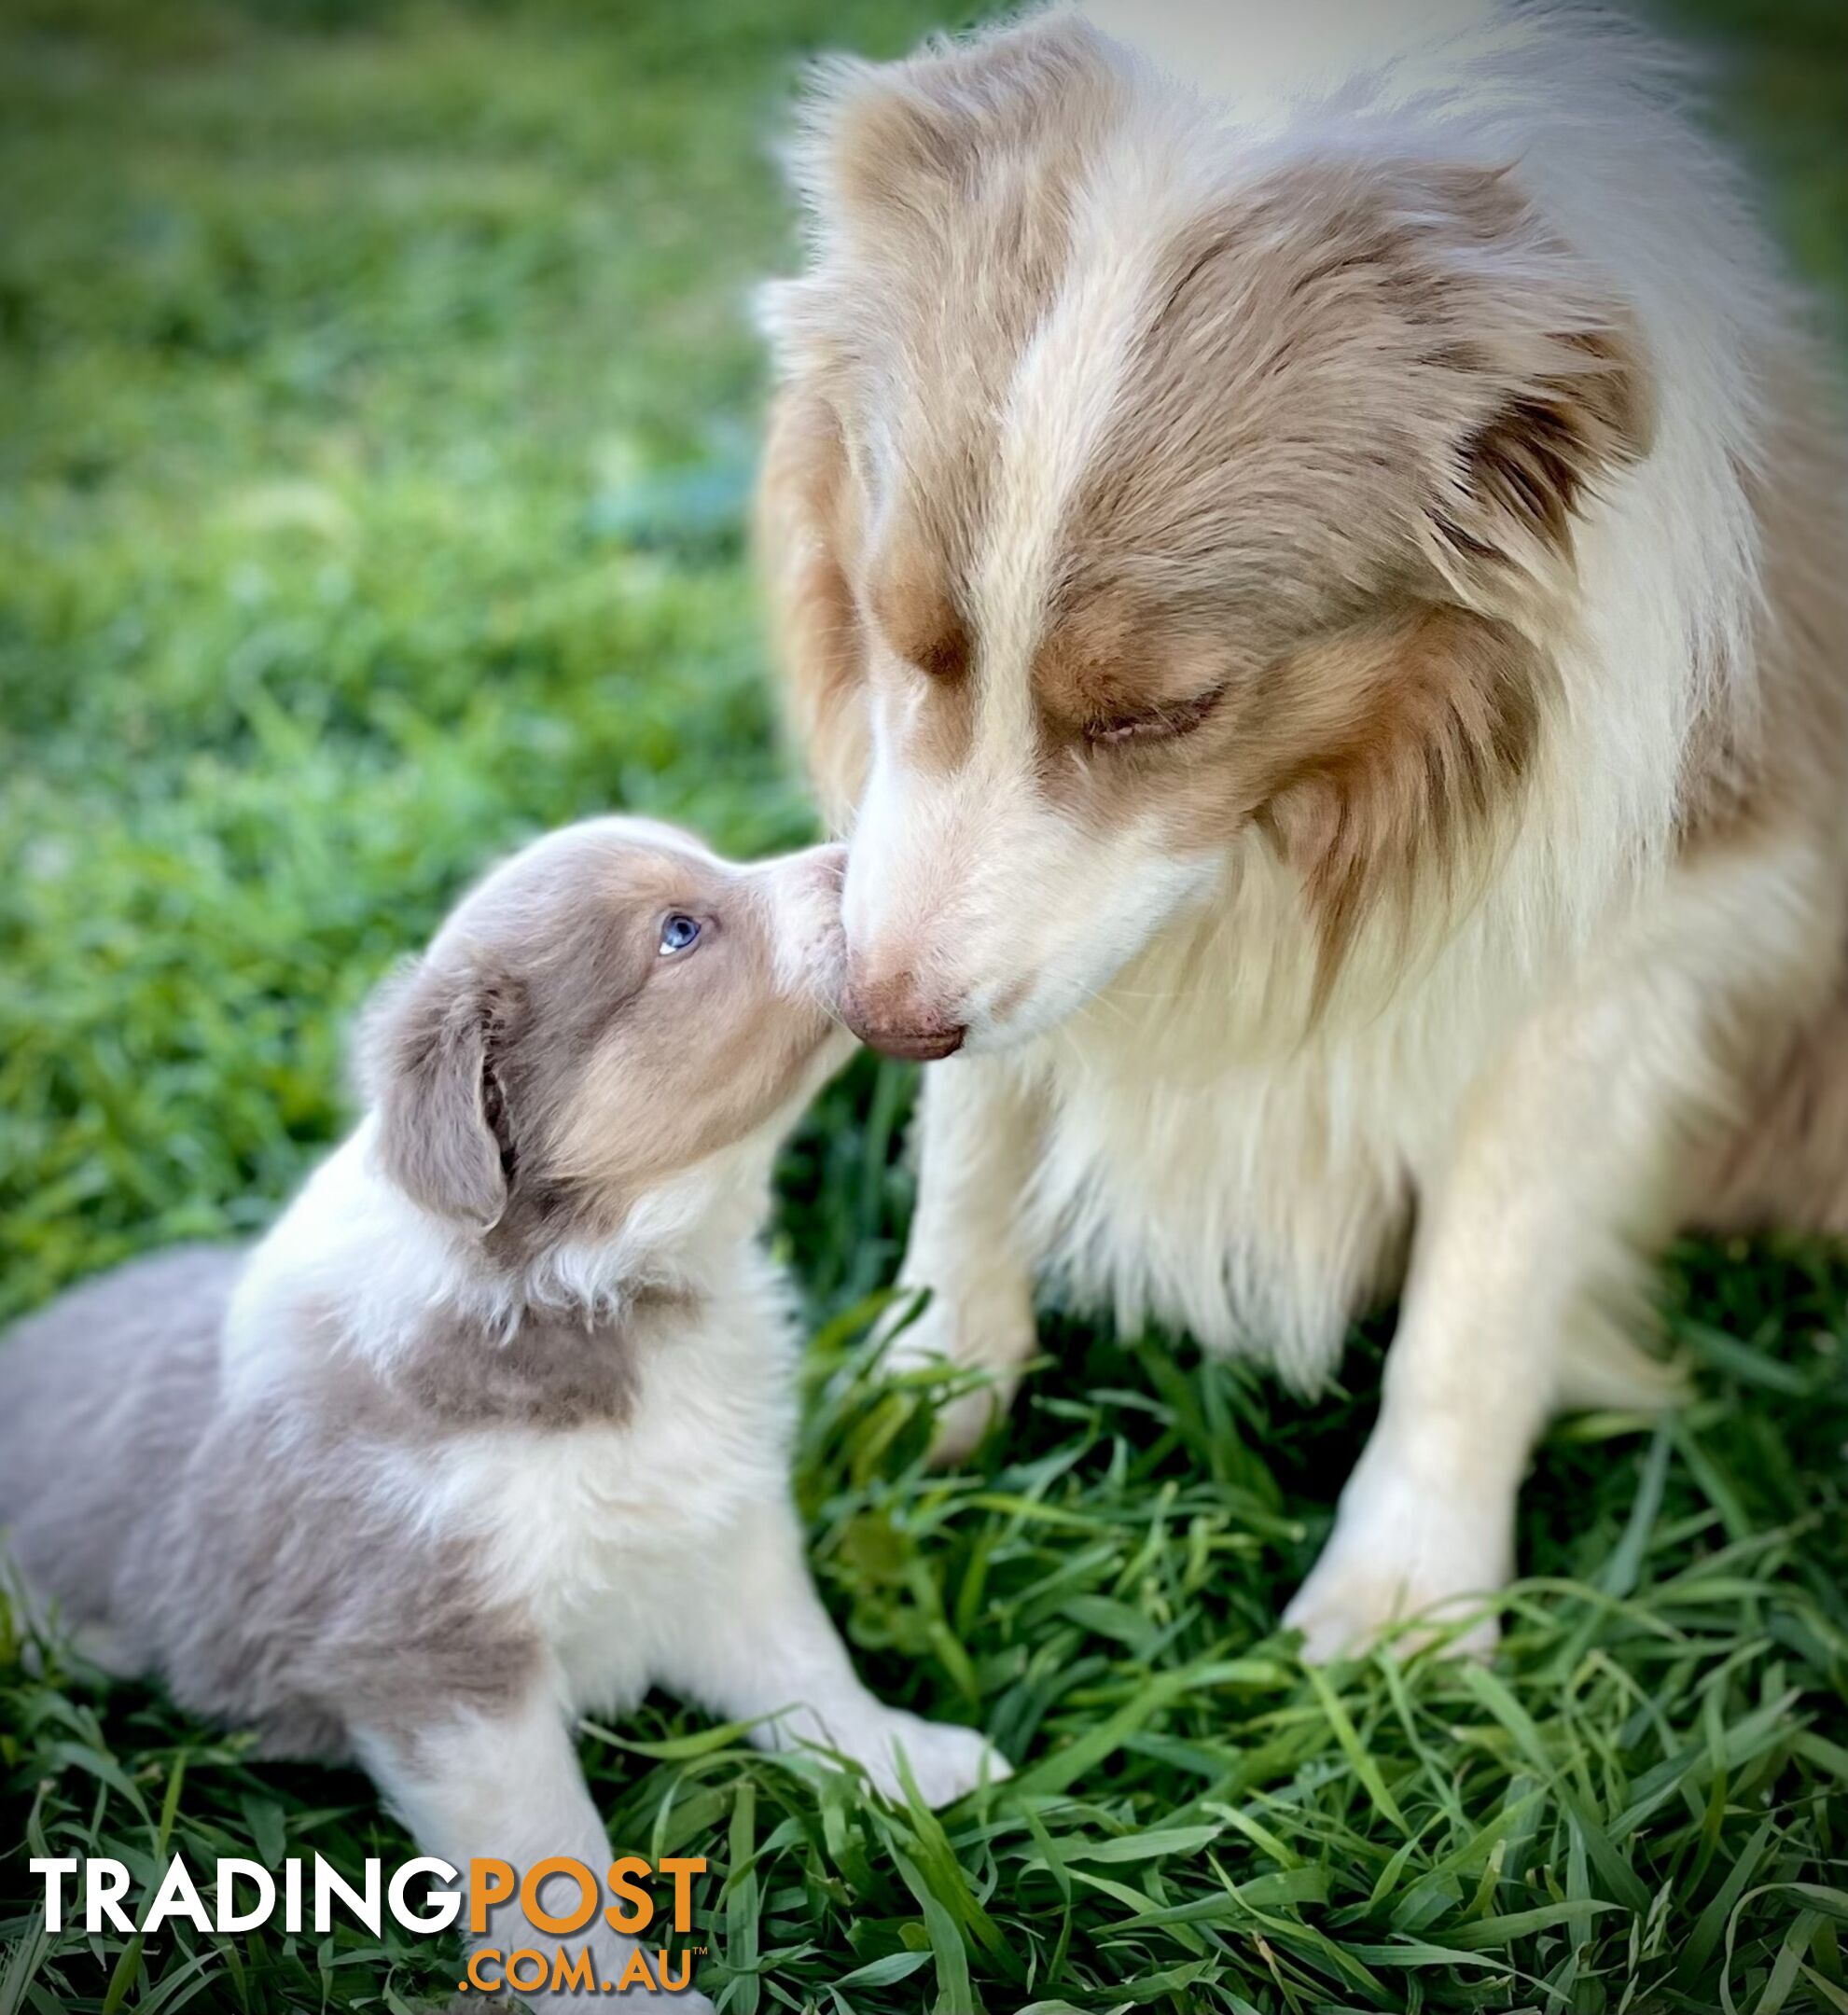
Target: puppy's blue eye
677, 933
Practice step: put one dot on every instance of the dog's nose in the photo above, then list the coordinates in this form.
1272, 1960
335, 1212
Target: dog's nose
892, 1017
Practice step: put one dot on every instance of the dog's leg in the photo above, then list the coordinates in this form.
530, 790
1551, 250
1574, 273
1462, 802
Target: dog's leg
978, 1130
753, 1643
507, 1788
1570, 1162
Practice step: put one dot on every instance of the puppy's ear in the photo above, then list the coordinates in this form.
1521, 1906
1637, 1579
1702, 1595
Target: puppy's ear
1543, 385
436, 1040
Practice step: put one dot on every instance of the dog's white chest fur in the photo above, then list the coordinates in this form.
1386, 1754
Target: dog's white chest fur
1216, 1209
1208, 1165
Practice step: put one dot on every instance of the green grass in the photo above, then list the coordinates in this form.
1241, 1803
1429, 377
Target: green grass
376, 400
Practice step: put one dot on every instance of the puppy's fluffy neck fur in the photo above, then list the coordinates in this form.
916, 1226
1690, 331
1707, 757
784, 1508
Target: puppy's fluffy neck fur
683, 1237
379, 1268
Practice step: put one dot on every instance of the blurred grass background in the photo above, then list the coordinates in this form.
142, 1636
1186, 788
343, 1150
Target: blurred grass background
377, 405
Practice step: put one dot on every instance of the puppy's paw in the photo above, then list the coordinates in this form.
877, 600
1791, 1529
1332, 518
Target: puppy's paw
987, 1333
1397, 1553
945, 1761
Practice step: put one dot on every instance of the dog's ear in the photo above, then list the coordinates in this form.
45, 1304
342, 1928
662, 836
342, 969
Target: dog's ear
1536, 366
1409, 740
802, 516
436, 1043
893, 152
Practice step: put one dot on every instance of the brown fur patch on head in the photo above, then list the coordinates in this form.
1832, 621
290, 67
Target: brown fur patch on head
1392, 749
917, 617
805, 527
1351, 373
1550, 353
1384, 756
939, 193
920, 643
1352, 369
1116, 658
685, 1072
1346, 461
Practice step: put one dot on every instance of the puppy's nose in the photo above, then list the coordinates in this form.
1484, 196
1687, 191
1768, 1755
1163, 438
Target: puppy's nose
892, 1016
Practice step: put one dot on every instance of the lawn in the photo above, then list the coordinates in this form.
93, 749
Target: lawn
376, 402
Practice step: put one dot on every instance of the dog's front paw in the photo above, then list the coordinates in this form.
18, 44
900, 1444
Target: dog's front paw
1397, 1553
945, 1761
987, 1333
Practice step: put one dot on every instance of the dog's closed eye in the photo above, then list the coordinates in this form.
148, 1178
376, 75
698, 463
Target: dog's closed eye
1165, 723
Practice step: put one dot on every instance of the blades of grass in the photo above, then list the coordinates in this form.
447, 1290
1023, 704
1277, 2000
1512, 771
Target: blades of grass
1832, 1995
1710, 1927
1717, 1488
1364, 1766
1614, 1871
702, 1742
1790, 1956
1063, 1767
886, 1972
1739, 1360
1491, 1694
25, 1957
742, 1920
1260, 1836
1284, 1888
1834, 1901
122, 1975
954, 1995
1052, 1851
109, 1774
269, 1828
937, 1860
1151, 1846
1491, 1934
1622, 1572
180, 1986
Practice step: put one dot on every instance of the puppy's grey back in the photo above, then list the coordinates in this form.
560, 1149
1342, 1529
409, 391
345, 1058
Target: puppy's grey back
241, 1554
103, 1398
